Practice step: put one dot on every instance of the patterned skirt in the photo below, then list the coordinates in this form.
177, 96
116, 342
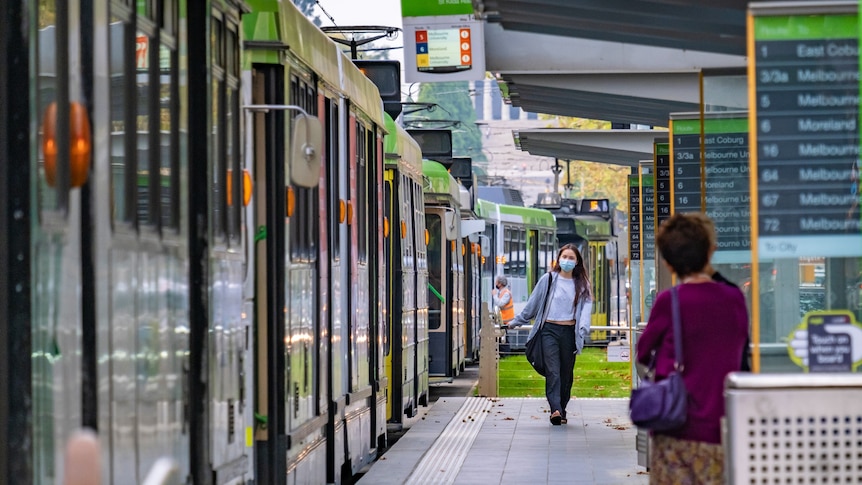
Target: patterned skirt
684, 462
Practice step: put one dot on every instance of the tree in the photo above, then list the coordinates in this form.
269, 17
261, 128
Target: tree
591, 180
307, 9
454, 104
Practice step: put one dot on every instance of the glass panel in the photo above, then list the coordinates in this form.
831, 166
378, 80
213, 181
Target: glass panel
234, 189
121, 206
218, 198
167, 164
142, 122
46, 93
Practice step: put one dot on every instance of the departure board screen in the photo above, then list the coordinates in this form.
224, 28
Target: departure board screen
634, 219
647, 215
661, 153
685, 165
807, 110
726, 180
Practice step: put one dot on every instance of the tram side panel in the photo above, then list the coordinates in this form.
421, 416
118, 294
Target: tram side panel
421, 355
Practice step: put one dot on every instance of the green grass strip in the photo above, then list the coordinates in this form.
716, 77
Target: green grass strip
594, 376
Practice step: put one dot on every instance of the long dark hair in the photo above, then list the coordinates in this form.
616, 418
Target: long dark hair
582, 279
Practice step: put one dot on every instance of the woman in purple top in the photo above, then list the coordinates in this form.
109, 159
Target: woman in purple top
714, 323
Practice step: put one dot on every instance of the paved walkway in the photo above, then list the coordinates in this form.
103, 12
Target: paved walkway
478, 441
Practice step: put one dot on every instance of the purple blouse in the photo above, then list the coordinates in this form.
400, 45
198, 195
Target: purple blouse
714, 331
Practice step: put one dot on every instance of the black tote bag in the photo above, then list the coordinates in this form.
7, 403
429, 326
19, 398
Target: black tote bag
534, 351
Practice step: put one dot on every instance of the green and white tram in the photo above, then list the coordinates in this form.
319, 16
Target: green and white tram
406, 308
447, 335
521, 244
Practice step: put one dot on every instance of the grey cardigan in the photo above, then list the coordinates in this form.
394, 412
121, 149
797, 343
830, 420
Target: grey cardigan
535, 304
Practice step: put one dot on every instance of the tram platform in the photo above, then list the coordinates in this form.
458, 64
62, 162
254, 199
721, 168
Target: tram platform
480, 440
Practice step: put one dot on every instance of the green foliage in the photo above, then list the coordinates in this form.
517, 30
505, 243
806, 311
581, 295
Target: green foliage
591, 180
594, 376
455, 104
307, 9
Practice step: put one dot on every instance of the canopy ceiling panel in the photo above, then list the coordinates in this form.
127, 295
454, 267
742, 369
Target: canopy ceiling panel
617, 147
715, 26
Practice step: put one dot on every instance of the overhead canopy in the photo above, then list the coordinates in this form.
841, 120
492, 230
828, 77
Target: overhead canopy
617, 147
715, 26
614, 73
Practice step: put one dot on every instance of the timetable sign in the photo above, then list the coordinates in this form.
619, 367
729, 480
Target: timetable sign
806, 79
648, 215
444, 50
634, 218
661, 152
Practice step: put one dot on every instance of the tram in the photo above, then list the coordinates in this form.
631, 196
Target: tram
522, 246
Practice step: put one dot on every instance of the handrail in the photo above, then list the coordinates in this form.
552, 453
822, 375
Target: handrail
436, 293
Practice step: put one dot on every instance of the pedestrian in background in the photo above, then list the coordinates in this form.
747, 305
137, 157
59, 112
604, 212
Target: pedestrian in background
502, 298
566, 317
714, 323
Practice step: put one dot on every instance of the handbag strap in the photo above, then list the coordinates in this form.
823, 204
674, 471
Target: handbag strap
545, 303
677, 330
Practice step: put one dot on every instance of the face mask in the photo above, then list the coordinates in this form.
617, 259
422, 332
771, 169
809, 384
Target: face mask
567, 265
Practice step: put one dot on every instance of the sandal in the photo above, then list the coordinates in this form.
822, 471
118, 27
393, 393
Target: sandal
556, 418
564, 421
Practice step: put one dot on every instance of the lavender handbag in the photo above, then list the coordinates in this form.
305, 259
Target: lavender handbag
663, 405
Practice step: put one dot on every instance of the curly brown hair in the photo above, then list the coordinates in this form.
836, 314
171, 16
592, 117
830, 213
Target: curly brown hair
686, 242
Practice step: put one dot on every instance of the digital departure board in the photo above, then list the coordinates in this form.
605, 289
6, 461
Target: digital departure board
727, 196
634, 219
647, 214
806, 100
685, 162
661, 155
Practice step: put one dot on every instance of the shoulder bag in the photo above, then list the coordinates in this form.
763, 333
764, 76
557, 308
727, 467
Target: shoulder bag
533, 350
663, 405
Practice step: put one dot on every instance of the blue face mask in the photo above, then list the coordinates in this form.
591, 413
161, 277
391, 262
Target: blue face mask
567, 265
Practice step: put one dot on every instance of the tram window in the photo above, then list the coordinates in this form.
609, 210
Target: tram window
305, 221
47, 91
507, 251
334, 176
407, 215
142, 128
169, 137
522, 253
225, 187
144, 120
489, 263
361, 206
233, 161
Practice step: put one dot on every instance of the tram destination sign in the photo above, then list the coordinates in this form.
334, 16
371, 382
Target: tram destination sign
807, 127
661, 154
634, 219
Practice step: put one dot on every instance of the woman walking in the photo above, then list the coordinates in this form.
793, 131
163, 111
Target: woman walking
564, 299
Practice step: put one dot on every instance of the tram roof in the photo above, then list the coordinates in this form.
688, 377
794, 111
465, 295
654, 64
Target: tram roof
440, 181
402, 150
617, 147
272, 28
513, 213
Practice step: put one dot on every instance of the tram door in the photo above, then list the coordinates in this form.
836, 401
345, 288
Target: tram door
55, 245
439, 314
600, 287
534, 268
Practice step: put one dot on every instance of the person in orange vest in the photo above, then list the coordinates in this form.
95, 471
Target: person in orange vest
502, 299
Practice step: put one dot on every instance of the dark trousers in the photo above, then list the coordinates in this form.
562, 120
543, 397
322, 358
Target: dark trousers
558, 342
